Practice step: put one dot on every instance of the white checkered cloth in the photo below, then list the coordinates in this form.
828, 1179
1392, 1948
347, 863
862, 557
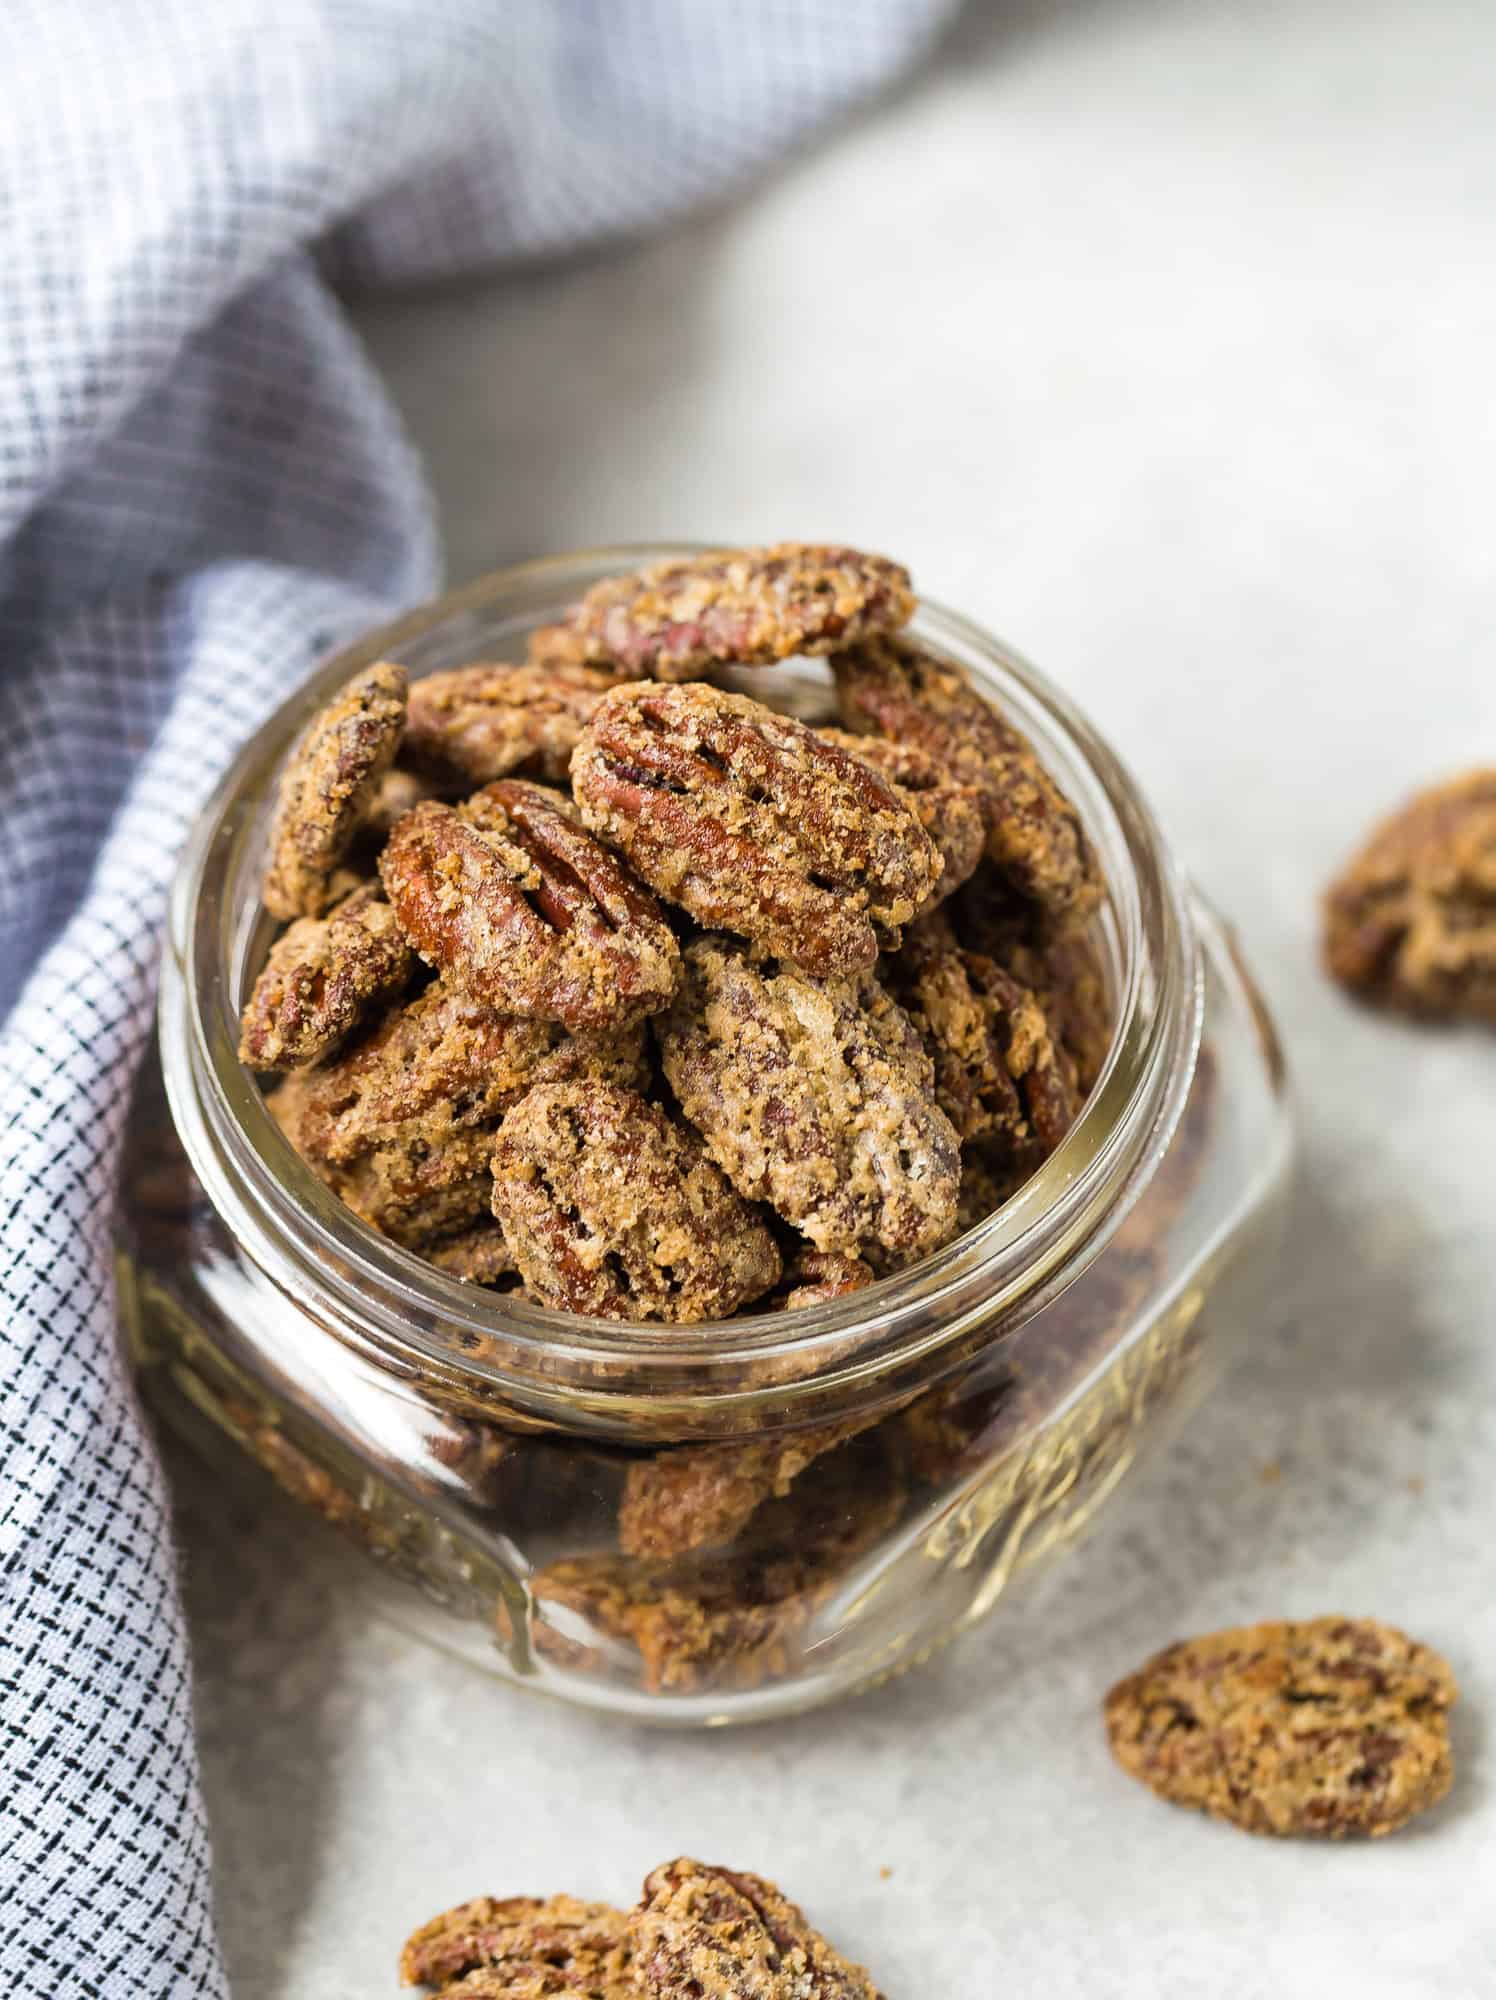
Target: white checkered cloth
202, 488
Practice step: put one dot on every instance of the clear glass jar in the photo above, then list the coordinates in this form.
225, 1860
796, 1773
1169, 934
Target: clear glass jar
480, 1448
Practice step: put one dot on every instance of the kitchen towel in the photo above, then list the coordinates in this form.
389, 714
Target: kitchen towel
203, 487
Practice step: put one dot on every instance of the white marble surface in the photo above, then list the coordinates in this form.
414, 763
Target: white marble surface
1159, 337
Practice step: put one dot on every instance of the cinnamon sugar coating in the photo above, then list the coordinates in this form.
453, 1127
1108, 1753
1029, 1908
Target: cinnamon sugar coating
511, 898
817, 1097
327, 786
1329, 1728
609, 1207
1411, 922
753, 823
523, 1948
949, 809
749, 607
323, 975
484, 722
892, 688
708, 1933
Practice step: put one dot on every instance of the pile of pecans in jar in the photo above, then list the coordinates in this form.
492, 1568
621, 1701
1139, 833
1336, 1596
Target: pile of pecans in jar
607, 984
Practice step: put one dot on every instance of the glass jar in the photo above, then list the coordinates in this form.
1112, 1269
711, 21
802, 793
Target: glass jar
866, 1475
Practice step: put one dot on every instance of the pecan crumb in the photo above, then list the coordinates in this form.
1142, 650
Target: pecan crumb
1411, 923
1332, 1727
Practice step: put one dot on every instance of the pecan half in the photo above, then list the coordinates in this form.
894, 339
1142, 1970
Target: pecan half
1411, 923
998, 1067
753, 823
321, 978
449, 1052
611, 1208
514, 900
327, 787
729, 1620
1331, 1727
891, 688
699, 1496
708, 1933
750, 607
484, 722
816, 1097
523, 1948
949, 809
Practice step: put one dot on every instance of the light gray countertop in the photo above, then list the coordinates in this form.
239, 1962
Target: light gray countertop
1158, 337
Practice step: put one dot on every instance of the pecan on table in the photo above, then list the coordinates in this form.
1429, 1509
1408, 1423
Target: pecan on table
610, 1207
946, 806
1411, 923
327, 786
753, 823
323, 975
510, 897
523, 1948
892, 688
1331, 1727
707, 1933
749, 607
484, 722
816, 1097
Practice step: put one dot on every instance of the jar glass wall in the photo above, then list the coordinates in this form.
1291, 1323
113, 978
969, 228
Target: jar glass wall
722, 1521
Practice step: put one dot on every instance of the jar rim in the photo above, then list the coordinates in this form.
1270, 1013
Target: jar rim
539, 1358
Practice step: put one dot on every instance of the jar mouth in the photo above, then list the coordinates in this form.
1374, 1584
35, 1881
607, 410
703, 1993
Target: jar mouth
993, 1276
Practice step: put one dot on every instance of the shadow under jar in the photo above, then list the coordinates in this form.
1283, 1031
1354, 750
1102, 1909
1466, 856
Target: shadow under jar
497, 1458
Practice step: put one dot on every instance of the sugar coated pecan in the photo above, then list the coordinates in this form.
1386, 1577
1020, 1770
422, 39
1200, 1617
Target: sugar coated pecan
609, 1207
427, 1181
707, 1933
699, 1496
730, 1620
454, 1054
484, 722
813, 1276
1411, 923
753, 823
1331, 1727
816, 1097
524, 1948
327, 787
750, 607
998, 1068
320, 979
948, 808
510, 897
891, 688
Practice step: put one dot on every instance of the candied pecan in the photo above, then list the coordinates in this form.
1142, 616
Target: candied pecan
396, 794
523, 1948
949, 809
813, 1276
707, 1933
1329, 1727
815, 1097
480, 1255
1064, 971
485, 722
889, 687
609, 1207
750, 821
998, 1069
327, 787
729, 1620
512, 899
698, 1496
446, 1048
1411, 923
320, 979
750, 607
428, 1180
